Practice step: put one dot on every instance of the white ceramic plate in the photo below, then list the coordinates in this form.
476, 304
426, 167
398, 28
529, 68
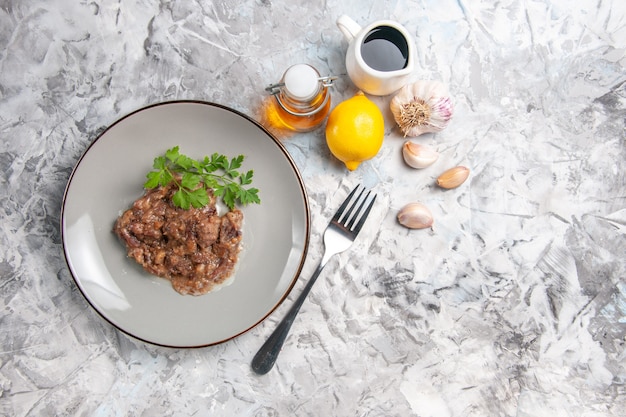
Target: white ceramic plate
110, 176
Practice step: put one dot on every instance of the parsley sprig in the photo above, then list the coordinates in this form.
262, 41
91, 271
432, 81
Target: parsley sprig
194, 178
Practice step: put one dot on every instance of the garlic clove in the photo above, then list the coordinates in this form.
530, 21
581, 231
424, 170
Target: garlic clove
415, 216
453, 177
418, 156
422, 107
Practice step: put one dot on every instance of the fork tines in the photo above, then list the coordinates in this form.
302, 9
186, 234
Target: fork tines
351, 219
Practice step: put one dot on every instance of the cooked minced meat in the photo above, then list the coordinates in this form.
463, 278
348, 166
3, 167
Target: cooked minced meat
195, 249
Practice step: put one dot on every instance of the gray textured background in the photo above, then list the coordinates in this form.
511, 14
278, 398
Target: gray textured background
514, 304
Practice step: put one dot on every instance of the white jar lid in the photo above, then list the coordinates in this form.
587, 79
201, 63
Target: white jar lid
301, 81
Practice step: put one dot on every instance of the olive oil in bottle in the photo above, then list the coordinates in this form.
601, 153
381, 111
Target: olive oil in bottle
301, 99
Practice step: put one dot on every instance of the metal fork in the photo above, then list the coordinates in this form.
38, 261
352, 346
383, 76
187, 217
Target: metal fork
338, 236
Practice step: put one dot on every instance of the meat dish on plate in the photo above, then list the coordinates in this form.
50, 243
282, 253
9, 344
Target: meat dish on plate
195, 248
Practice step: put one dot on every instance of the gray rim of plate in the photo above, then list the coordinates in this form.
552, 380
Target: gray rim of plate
301, 254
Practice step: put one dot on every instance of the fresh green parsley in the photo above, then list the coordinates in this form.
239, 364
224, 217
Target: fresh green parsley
195, 177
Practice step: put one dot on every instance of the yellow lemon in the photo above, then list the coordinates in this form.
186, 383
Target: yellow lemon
355, 130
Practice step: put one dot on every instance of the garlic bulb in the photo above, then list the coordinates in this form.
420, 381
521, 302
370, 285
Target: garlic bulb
418, 156
415, 216
422, 107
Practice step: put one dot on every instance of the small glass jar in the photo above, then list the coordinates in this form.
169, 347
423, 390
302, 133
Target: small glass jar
302, 98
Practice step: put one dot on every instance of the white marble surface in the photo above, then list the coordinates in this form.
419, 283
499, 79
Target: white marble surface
514, 304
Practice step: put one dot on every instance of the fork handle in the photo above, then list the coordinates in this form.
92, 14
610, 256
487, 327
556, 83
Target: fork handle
265, 358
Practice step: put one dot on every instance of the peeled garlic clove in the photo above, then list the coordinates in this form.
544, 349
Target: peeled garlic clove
415, 216
422, 107
453, 177
418, 156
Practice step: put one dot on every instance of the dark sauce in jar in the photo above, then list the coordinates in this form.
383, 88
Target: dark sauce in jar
385, 49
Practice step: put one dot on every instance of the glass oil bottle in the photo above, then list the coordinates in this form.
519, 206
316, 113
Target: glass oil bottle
301, 99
